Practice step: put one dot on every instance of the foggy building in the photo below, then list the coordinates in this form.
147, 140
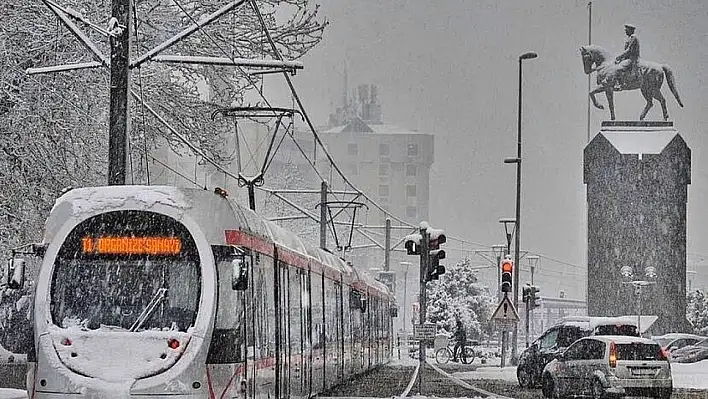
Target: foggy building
637, 176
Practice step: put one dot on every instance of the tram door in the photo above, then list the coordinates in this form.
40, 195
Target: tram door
306, 333
295, 324
282, 335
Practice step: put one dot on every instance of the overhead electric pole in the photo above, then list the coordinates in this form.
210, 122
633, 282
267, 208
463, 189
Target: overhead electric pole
323, 215
119, 28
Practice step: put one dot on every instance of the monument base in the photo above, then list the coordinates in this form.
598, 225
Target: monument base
637, 173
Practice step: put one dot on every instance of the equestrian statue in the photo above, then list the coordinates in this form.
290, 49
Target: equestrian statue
627, 71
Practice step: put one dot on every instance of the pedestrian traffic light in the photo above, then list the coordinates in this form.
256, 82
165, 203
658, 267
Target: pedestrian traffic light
507, 268
534, 297
526, 293
412, 244
435, 269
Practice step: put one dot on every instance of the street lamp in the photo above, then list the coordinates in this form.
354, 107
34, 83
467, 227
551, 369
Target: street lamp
525, 56
509, 228
533, 263
628, 274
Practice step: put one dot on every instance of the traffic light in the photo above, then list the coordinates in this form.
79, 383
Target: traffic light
534, 297
413, 244
507, 268
435, 269
526, 293
437, 237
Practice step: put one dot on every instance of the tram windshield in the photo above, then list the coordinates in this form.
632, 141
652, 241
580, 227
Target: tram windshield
127, 271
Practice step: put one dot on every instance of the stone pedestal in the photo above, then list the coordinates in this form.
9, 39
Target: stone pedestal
637, 175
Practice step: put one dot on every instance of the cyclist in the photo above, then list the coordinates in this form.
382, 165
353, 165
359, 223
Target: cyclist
460, 337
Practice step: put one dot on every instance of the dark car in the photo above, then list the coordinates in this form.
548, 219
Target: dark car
560, 336
691, 353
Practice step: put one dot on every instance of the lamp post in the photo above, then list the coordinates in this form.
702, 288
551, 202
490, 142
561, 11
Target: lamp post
690, 274
650, 274
405, 295
525, 56
533, 263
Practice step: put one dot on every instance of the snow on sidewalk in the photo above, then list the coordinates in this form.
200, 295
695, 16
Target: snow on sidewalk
9, 393
488, 373
690, 375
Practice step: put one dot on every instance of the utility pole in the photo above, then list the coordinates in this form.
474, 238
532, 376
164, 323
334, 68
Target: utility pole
387, 249
323, 215
119, 26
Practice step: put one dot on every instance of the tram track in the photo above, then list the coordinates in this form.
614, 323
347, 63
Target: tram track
399, 381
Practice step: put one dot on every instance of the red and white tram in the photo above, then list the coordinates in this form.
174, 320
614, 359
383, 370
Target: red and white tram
163, 292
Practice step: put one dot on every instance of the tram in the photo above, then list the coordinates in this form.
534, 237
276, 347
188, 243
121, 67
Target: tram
164, 292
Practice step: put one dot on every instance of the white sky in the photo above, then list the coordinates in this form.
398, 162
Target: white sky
450, 68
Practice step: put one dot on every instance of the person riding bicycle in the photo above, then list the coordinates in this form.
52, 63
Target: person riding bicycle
460, 337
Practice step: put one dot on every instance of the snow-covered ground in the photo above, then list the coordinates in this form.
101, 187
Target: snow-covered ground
9, 393
690, 375
489, 373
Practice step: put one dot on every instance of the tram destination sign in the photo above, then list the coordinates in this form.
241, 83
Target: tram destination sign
424, 332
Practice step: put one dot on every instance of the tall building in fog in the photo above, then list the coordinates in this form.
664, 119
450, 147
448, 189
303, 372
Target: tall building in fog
388, 162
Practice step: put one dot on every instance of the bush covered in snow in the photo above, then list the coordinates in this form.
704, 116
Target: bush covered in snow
458, 292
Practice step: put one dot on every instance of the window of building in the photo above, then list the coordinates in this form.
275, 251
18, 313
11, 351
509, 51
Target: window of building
383, 150
411, 190
352, 149
383, 190
411, 211
384, 169
413, 149
411, 170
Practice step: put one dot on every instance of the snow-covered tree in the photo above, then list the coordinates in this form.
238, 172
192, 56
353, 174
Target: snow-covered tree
697, 311
53, 127
458, 292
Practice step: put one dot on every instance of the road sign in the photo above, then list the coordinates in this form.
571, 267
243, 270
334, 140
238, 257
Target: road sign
506, 312
424, 332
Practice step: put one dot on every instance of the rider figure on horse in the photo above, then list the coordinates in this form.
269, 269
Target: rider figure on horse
627, 60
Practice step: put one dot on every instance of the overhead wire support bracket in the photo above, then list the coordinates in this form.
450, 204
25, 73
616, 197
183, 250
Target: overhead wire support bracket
255, 112
343, 205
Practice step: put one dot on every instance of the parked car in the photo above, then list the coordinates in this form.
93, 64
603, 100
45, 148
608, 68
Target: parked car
600, 366
560, 336
674, 341
691, 353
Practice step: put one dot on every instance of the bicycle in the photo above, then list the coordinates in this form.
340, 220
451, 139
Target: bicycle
444, 354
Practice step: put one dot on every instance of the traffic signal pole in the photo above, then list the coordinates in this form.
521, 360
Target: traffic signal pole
424, 258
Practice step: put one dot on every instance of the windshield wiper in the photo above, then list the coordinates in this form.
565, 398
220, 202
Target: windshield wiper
151, 306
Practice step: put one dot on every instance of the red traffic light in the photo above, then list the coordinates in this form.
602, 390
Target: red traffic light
507, 266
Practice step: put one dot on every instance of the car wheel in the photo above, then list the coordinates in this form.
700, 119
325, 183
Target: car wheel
598, 391
524, 377
548, 388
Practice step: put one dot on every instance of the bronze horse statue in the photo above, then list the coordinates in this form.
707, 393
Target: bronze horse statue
646, 76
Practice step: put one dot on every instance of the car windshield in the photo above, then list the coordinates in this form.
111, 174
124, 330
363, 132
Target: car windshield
638, 351
664, 341
616, 329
